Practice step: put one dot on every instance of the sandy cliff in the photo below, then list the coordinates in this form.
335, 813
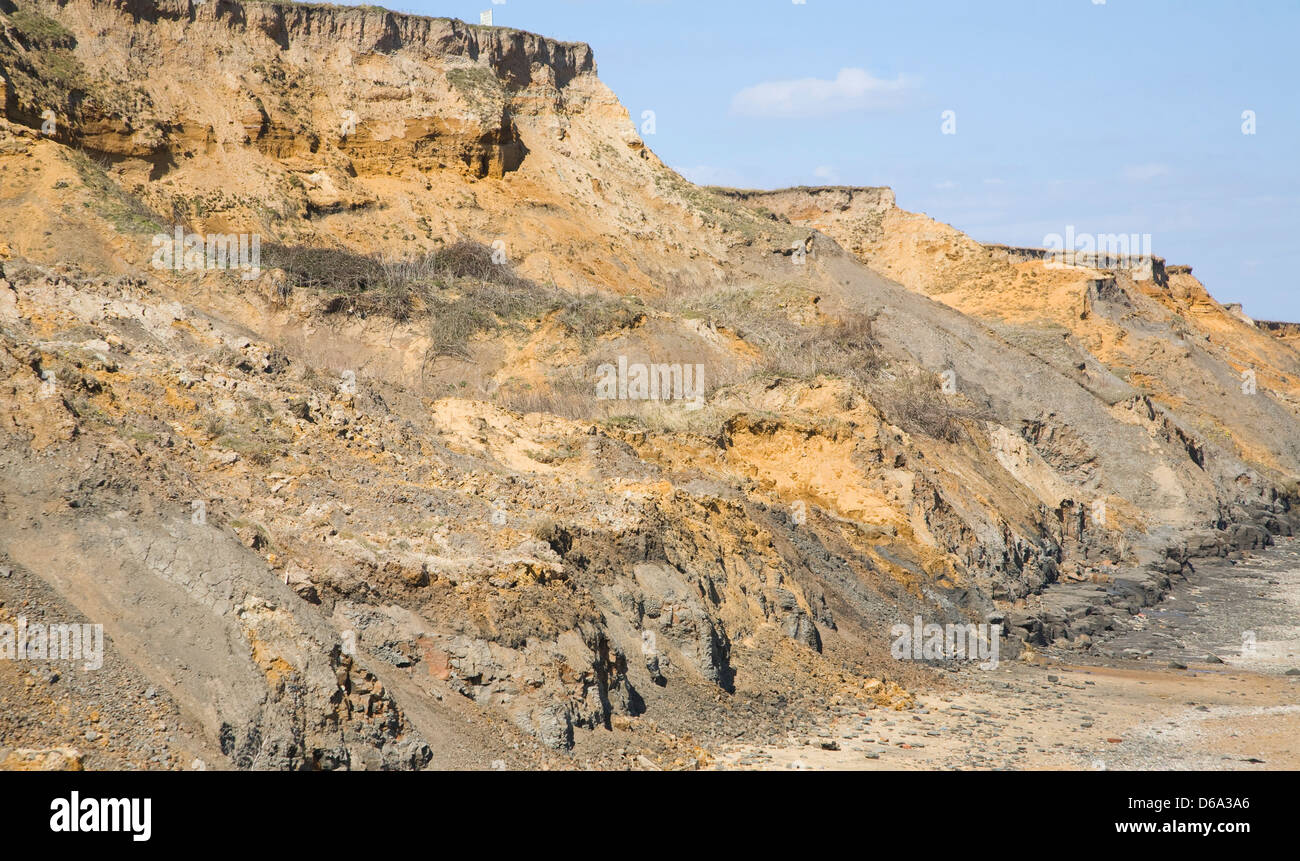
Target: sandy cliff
426, 537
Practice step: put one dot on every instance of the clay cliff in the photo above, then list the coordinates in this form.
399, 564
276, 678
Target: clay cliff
387, 496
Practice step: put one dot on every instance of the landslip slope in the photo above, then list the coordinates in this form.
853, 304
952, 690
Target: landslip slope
367, 504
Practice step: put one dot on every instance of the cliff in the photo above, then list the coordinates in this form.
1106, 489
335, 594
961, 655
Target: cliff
369, 501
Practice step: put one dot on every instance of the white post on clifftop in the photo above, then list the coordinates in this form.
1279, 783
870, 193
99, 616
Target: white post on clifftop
485, 18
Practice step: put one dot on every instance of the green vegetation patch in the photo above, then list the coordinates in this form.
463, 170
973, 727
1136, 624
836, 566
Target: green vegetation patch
39, 30
124, 211
480, 86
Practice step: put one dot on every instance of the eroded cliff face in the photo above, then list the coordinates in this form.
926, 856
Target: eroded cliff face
426, 539
115, 101
368, 129
1160, 331
1287, 332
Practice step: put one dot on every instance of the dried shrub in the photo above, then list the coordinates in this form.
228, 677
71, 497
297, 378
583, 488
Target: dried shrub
916, 403
844, 347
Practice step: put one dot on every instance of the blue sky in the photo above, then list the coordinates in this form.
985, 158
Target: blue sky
1115, 117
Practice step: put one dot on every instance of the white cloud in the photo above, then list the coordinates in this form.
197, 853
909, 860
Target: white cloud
1145, 172
826, 173
705, 174
851, 90
945, 185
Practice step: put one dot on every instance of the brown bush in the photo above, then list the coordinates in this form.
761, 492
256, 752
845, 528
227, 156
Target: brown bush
914, 402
